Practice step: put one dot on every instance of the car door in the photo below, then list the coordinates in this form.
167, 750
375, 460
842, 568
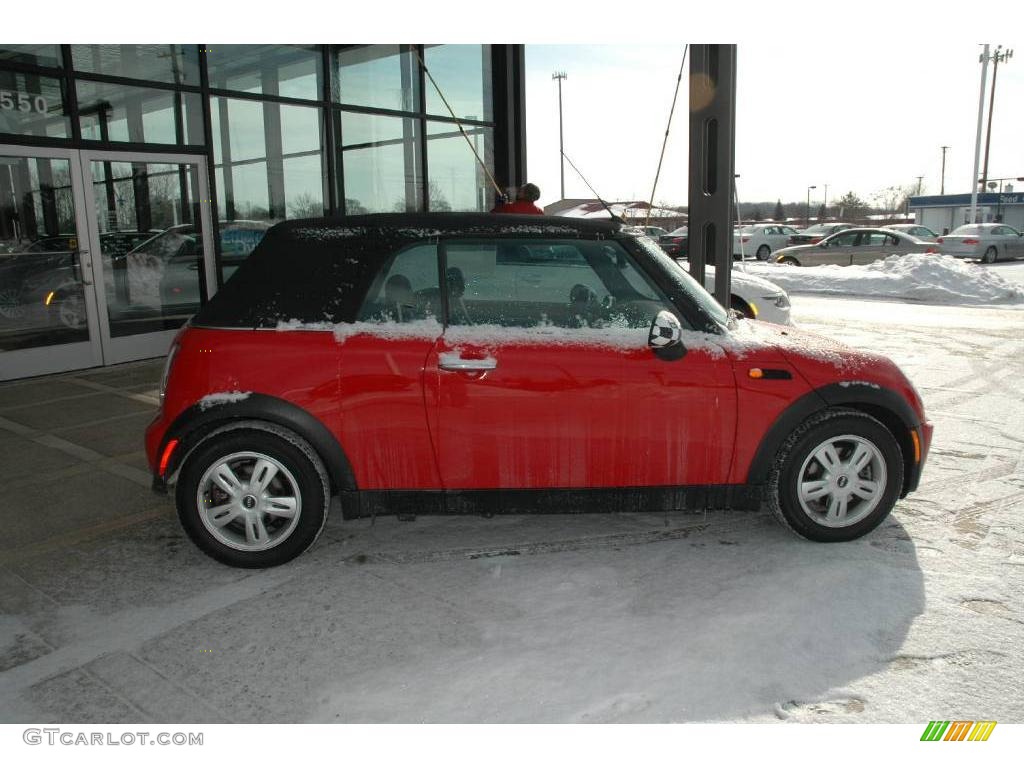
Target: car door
539, 394
838, 249
1008, 241
872, 246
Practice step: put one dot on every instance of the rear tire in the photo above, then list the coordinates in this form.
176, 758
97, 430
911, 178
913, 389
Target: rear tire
254, 496
763, 253
836, 477
991, 255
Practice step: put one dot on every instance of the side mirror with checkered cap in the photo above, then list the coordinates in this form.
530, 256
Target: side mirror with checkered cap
666, 336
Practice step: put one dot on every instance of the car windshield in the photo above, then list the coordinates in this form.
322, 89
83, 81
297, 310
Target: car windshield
750, 229
682, 279
679, 231
817, 228
967, 229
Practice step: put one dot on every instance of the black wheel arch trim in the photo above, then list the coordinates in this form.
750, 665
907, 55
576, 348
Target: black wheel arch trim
195, 423
884, 404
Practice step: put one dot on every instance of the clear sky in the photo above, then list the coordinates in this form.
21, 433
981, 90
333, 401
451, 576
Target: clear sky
859, 115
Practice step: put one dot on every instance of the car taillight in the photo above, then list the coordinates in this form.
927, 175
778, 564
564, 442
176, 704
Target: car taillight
931, 250
677, 239
744, 239
940, 240
970, 241
815, 240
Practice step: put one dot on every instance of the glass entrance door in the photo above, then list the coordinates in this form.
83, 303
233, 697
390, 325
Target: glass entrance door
48, 313
150, 227
103, 256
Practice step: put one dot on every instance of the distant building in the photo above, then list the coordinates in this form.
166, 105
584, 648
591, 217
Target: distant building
944, 213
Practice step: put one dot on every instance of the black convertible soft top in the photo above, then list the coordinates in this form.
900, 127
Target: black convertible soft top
319, 270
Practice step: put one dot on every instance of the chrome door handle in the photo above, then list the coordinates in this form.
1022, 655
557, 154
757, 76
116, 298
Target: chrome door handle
85, 266
452, 362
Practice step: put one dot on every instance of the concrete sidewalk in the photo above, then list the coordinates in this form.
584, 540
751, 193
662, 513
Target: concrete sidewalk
71, 456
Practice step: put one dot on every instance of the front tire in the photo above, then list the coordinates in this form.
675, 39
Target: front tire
790, 260
836, 477
991, 255
253, 497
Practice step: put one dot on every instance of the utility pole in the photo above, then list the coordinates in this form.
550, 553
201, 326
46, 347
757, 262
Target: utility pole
824, 204
977, 138
942, 186
998, 56
919, 178
560, 76
807, 216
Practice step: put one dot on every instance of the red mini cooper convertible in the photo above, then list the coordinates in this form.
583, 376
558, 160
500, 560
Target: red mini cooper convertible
471, 363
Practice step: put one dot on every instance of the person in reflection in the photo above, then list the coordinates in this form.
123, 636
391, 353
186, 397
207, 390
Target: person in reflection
525, 202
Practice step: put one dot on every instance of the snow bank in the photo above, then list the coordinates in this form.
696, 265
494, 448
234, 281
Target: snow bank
925, 277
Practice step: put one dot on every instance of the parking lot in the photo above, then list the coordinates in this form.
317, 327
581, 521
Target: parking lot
109, 614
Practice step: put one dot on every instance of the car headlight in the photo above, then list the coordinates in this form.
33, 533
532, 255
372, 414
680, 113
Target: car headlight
780, 300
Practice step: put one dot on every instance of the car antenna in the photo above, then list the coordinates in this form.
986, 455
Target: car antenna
602, 202
664, 143
487, 171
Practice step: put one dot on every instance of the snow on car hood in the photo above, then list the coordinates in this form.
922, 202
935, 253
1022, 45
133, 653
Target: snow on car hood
745, 280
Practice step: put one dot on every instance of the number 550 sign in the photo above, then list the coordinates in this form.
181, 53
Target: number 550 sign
23, 102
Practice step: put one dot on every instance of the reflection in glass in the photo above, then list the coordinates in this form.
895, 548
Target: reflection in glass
380, 76
35, 55
109, 112
293, 71
380, 161
268, 159
463, 73
32, 105
178, 64
150, 242
457, 182
41, 295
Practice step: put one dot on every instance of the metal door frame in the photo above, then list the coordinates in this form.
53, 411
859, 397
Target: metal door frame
140, 346
38, 361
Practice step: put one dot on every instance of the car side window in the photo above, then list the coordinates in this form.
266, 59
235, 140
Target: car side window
872, 238
405, 289
844, 240
531, 283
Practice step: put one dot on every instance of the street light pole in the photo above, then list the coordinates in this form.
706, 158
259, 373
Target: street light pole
977, 138
807, 217
560, 76
824, 205
997, 57
942, 187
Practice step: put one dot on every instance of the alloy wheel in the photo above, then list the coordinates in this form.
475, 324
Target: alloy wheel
841, 481
249, 501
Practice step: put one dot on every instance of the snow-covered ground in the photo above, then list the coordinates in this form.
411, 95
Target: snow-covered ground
925, 277
723, 617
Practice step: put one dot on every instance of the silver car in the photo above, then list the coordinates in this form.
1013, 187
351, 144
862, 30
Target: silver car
921, 233
854, 246
988, 242
760, 240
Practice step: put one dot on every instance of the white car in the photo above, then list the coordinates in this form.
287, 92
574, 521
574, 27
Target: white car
752, 296
988, 242
760, 240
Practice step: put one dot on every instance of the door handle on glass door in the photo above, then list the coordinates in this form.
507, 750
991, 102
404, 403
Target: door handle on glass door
452, 362
85, 266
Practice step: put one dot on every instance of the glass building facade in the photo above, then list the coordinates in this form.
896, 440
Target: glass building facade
135, 178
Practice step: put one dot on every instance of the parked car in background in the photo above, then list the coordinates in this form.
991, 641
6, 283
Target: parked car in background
988, 242
817, 233
854, 246
916, 230
751, 296
650, 231
675, 243
402, 376
760, 240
